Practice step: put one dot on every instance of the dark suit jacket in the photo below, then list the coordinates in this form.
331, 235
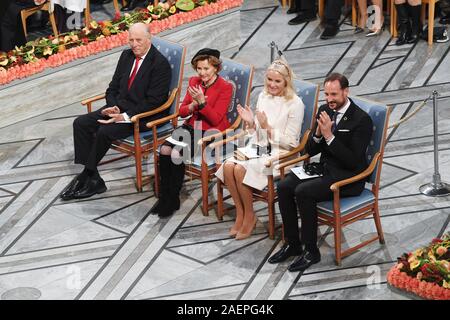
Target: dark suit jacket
150, 87
346, 155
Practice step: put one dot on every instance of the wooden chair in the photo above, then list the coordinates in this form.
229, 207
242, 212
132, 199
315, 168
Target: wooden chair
431, 8
25, 13
140, 144
240, 76
341, 212
309, 92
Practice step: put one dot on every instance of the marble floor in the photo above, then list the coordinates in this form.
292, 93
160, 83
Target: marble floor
110, 247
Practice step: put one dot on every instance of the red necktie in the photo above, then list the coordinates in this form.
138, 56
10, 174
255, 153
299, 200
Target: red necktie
133, 74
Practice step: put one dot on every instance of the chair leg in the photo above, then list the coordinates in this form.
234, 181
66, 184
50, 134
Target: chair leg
156, 173
271, 207
24, 22
116, 6
87, 13
321, 4
220, 211
337, 240
376, 217
138, 163
53, 23
431, 6
205, 185
354, 13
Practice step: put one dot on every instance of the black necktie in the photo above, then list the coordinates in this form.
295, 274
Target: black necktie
334, 118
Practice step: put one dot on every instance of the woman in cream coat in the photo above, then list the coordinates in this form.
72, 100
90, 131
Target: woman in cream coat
278, 119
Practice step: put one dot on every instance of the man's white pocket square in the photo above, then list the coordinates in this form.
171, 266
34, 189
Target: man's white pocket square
344, 130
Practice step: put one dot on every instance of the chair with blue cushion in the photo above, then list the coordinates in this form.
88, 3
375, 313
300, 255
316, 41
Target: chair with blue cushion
309, 92
140, 144
340, 212
203, 168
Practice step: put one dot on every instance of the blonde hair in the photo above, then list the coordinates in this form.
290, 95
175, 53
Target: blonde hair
281, 66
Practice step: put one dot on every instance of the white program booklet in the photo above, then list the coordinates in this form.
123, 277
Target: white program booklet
301, 174
249, 152
177, 143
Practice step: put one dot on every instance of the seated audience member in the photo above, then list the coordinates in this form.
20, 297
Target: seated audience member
206, 104
12, 33
278, 119
409, 25
341, 140
377, 24
139, 84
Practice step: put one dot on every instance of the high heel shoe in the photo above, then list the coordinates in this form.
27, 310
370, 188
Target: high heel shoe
241, 236
376, 32
233, 232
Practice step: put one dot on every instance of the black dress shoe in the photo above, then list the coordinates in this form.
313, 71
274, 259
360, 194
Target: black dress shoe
304, 261
303, 17
285, 252
169, 209
445, 20
71, 188
157, 206
330, 32
91, 187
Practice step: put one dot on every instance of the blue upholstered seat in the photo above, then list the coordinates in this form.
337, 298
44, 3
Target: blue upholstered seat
349, 204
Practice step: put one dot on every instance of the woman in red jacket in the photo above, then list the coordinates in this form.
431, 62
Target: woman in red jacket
206, 104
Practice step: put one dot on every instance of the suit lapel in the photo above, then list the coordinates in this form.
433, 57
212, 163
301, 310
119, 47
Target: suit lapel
347, 116
129, 65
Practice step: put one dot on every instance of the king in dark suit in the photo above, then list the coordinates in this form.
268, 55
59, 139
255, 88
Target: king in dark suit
140, 84
341, 140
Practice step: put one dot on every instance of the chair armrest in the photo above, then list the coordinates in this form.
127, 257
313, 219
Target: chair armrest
88, 102
283, 165
92, 99
335, 186
220, 134
227, 140
163, 107
291, 153
161, 120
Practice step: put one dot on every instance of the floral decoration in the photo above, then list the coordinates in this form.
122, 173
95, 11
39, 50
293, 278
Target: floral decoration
426, 271
50, 52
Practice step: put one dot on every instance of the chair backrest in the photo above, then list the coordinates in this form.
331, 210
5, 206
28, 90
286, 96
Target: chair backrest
379, 113
241, 76
175, 54
309, 92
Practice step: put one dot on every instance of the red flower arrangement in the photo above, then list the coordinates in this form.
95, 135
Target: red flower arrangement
51, 52
424, 272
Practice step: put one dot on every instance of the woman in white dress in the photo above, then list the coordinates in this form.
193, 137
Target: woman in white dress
278, 118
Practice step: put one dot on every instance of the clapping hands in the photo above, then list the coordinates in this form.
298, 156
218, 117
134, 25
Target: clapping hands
246, 114
197, 94
113, 113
